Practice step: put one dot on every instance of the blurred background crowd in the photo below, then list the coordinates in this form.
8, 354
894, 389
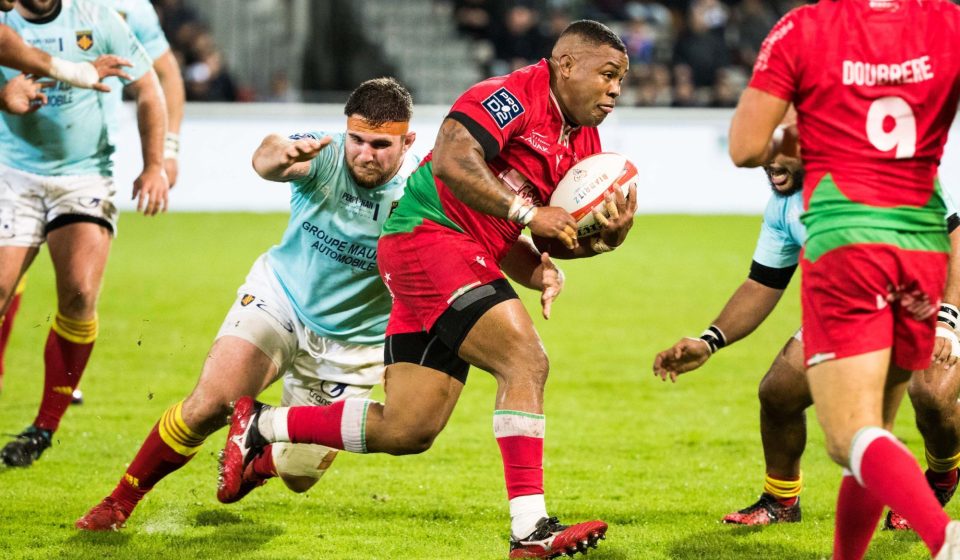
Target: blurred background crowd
683, 53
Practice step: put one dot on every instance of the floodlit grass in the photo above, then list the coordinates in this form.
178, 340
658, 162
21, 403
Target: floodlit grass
660, 462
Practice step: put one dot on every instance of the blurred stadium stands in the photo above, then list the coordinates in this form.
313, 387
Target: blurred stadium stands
683, 53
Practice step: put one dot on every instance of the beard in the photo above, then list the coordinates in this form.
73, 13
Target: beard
372, 180
41, 7
796, 183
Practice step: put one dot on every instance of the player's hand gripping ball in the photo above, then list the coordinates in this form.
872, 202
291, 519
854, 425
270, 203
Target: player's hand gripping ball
587, 183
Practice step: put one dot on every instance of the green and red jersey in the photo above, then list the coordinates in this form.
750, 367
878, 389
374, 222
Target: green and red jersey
527, 143
876, 88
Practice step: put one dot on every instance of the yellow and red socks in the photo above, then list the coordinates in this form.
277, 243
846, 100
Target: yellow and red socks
942, 473
65, 358
786, 491
341, 425
520, 437
887, 469
170, 445
858, 512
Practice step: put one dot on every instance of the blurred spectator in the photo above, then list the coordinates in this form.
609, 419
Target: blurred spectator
702, 46
752, 20
475, 18
520, 41
280, 89
207, 80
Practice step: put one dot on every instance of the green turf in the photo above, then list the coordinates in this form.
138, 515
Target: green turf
660, 462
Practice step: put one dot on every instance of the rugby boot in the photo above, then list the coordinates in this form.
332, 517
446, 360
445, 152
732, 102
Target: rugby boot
244, 443
27, 447
76, 397
550, 539
897, 522
766, 511
108, 515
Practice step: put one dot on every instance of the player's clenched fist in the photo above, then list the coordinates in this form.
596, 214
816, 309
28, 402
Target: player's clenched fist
555, 223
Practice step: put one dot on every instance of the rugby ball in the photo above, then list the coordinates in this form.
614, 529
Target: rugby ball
586, 184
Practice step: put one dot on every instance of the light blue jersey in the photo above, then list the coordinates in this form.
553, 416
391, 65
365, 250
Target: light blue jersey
782, 235
327, 259
143, 21
70, 135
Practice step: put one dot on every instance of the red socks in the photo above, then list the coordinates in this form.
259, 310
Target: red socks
65, 357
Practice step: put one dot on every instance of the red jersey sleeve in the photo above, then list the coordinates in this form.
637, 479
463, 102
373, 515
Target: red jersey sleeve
776, 69
493, 111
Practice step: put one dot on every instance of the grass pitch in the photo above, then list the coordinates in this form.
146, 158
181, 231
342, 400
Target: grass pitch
660, 462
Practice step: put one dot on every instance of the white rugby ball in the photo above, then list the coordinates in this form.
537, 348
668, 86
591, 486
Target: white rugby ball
586, 184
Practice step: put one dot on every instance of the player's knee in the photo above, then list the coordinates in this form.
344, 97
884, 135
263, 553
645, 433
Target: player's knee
839, 450
414, 441
206, 413
299, 484
78, 301
777, 401
929, 397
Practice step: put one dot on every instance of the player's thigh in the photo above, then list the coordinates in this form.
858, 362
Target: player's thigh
79, 254
257, 340
505, 342
14, 262
784, 388
22, 221
849, 394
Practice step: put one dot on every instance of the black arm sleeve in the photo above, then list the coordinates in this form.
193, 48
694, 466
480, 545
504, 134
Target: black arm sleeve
776, 278
489, 144
952, 222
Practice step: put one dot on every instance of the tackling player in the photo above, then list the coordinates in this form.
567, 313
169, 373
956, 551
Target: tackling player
784, 393
499, 155
875, 87
313, 309
58, 173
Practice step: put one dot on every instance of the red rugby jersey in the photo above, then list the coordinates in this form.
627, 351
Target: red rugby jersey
527, 144
876, 86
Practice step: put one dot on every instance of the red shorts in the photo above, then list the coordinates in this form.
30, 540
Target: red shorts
426, 270
862, 298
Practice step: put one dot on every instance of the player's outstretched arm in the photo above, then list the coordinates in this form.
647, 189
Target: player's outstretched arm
532, 269
21, 95
151, 188
752, 139
946, 349
282, 159
458, 162
171, 81
744, 312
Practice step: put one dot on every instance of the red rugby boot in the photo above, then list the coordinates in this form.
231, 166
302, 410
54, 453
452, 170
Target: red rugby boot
244, 443
766, 511
550, 539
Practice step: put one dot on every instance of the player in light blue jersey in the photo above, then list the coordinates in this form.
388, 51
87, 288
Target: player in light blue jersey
313, 309
23, 94
784, 393
57, 187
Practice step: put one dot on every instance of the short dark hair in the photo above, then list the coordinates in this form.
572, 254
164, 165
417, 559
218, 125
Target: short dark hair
380, 100
595, 33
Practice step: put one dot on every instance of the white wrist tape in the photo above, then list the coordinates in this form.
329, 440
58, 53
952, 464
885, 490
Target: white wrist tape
80, 74
951, 335
599, 246
521, 211
171, 145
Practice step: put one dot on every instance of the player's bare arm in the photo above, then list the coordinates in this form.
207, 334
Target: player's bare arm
151, 188
458, 162
746, 309
21, 95
532, 269
946, 349
171, 81
752, 141
282, 159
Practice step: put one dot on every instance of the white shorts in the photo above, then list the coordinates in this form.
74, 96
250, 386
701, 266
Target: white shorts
32, 205
798, 335
315, 370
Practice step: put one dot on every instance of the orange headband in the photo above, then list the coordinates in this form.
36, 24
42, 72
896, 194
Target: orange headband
396, 128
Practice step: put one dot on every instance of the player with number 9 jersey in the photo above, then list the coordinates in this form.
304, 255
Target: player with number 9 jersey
873, 110
875, 87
